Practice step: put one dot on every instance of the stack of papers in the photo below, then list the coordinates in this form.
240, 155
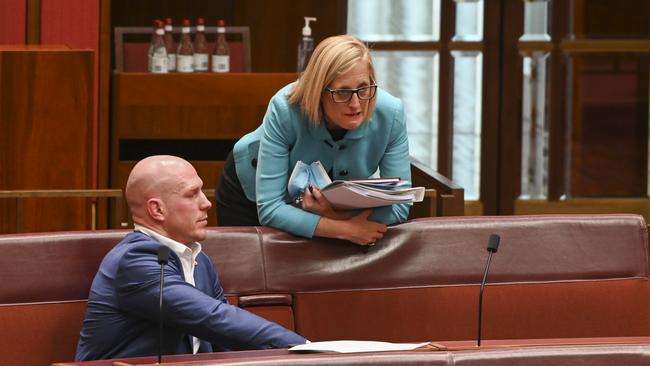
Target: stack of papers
354, 346
352, 194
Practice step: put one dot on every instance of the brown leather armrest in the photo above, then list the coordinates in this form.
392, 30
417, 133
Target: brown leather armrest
265, 300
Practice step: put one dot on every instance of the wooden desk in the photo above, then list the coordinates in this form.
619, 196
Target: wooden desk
590, 351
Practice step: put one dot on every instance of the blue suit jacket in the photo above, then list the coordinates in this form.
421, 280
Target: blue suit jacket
122, 313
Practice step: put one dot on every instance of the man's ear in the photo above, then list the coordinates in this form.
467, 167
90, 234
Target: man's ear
156, 209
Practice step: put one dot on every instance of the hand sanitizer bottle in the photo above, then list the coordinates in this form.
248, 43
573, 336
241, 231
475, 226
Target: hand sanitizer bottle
306, 45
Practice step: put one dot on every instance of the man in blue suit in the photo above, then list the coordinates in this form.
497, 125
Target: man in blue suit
168, 207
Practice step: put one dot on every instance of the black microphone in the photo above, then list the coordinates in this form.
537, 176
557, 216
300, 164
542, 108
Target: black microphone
163, 258
493, 245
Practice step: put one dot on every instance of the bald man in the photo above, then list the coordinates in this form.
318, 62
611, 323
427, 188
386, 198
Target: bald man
168, 207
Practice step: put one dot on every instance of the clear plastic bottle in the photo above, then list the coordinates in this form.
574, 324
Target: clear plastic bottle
201, 55
169, 44
157, 54
221, 54
185, 53
306, 45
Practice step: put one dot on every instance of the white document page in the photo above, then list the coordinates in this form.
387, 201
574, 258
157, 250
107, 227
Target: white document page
354, 346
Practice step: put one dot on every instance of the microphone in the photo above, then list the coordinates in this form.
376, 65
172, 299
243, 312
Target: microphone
163, 258
493, 245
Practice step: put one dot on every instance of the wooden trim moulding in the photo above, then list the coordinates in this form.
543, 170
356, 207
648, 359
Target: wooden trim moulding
610, 45
404, 46
33, 26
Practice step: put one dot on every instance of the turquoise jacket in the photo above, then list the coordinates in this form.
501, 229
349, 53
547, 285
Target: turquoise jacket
265, 158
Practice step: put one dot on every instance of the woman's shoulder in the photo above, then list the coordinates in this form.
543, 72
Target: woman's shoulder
387, 100
388, 107
281, 112
281, 97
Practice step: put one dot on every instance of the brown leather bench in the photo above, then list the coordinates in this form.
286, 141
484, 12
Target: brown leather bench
553, 277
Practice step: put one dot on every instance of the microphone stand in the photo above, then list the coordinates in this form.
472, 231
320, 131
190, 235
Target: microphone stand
160, 315
493, 245
163, 258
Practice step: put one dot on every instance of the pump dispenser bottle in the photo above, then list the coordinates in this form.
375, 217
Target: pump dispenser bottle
306, 45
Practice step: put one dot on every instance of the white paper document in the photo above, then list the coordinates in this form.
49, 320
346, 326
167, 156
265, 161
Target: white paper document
355, 193
352, 195
354, 346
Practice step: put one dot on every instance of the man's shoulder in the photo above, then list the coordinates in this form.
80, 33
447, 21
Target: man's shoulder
137, 239
204, 258
134, 243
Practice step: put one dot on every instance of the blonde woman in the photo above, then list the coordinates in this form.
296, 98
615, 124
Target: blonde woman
334, 113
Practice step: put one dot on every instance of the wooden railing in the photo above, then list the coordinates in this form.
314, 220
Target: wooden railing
442, 196
21, 195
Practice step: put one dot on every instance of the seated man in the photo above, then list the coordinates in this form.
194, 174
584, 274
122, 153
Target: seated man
168, 207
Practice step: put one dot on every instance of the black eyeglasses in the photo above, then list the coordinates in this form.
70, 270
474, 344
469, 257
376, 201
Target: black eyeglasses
344, 95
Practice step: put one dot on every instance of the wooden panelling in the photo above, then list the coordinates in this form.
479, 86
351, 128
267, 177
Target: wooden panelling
269, 19
103, 113
33, 31
76, 24
56, 343
73, 22
169, 113
474, 208
608, 135
12, 21
445, 115
45, 134
558, 155
595, 19
491, 111
596, 104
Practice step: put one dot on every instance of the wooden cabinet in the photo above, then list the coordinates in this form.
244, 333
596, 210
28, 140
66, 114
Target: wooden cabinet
46, 106
195, 116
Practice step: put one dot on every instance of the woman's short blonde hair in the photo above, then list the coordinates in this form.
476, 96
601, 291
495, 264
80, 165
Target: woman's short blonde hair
331, 58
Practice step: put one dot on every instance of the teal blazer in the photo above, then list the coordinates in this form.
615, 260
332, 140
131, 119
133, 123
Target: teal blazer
265, 158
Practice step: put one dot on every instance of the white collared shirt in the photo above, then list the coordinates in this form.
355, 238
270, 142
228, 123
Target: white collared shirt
187, 255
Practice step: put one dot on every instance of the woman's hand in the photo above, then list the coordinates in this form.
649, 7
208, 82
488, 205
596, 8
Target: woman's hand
341, 224
357, 229
363, 231
314, 201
